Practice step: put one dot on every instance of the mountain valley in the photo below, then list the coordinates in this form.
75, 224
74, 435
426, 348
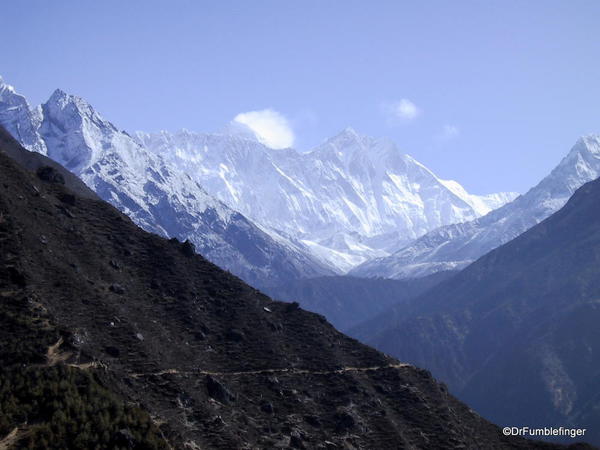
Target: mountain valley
204, 360
515, 333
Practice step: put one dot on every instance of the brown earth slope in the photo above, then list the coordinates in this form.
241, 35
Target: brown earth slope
90, 297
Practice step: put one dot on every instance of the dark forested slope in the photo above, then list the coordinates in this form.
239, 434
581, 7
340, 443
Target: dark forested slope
132, 341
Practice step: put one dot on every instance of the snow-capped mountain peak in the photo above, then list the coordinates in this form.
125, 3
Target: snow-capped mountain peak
348, 145
347, 137
585, 152
241, 130
4, 86
19, 119
76, 134
155, 194
72, 105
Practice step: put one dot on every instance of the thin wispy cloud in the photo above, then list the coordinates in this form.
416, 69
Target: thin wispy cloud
401, 110
270, 127
449, 132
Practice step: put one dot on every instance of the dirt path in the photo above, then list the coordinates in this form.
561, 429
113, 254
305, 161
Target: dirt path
54, 356
11, 439
285, 371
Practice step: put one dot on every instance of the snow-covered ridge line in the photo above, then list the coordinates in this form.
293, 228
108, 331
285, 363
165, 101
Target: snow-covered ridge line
157, 195
455, 246
350, 199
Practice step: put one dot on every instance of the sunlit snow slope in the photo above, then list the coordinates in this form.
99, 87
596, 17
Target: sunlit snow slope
351, 199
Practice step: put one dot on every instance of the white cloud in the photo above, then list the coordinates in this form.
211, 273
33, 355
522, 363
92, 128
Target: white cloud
270, 127
402, 109
449, 132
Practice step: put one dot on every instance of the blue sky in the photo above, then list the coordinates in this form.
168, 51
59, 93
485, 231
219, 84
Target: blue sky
490, 93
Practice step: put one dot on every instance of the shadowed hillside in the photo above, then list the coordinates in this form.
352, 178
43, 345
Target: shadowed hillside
127, 324
516, 333
347, 301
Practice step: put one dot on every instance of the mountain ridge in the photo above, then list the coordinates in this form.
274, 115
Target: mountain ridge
351, 198
157, 196
324, 213
513, 334
456, 246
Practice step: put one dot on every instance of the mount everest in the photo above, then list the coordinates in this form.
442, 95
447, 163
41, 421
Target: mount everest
350, 199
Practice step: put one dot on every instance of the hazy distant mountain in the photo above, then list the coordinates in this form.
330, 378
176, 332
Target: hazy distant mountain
348, 301
455, 246
157, 196
351, 199
516, 333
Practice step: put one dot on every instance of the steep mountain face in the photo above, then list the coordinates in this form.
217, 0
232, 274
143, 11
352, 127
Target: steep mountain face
157, 196
106, 311
351, 199
456, 246
19, 119
34, 161
515, 334
348, 301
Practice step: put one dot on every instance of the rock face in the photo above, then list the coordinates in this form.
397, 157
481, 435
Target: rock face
157, 196
350, 199
291, 380
515, 334
456, 246
20, 120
